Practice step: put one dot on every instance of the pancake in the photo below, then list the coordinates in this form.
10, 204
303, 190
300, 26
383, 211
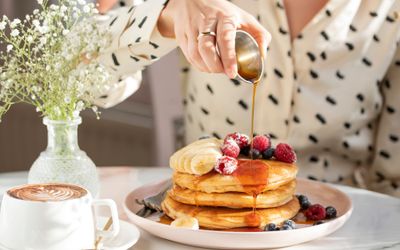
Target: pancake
262, 175
273, 198
228, 218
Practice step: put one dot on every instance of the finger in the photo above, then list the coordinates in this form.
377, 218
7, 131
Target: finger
181, 39
259, 33
207, 46
226, 33
193, 51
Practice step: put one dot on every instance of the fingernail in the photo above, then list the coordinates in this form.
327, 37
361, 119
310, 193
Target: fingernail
232, 73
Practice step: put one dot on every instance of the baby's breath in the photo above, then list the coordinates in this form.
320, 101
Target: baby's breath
50, 59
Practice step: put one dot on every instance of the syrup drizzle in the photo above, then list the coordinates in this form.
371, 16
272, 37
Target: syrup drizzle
253, 218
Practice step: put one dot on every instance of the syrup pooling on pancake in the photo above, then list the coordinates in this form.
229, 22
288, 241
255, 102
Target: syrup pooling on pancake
47, 192
253, 175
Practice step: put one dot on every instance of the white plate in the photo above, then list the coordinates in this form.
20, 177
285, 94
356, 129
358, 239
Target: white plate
317, 192
126, 238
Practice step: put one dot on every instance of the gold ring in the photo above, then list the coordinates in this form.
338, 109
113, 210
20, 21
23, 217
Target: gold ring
206, 33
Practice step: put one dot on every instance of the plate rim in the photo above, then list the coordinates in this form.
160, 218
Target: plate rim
345, 216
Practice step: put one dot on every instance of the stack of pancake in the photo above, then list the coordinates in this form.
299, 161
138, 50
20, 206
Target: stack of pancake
259, 192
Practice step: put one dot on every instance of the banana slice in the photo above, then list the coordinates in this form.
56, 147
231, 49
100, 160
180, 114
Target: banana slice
197, 158
204, 162
186, 222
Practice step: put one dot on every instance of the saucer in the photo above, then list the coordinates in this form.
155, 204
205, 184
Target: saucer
317, 192
126, 238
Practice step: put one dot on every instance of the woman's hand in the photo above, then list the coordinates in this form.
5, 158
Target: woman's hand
186, 19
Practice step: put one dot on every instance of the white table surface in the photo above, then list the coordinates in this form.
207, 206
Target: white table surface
375, 223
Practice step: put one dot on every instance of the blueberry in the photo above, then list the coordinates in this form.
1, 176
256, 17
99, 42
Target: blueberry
304, 202
245, 151
270, 227
290, 223
254, 153
318, 223
330, 212
268, 153
286, 227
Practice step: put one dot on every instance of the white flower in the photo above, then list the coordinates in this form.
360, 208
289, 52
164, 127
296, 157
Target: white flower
43, 40
2, 25
15, 22
43, 29
14, 32
57, 110
28, 17
82, 2
86, 9
29, 39
9, 47
54, 7
79, 106
65, 32
40, 2
67, 99
36, 22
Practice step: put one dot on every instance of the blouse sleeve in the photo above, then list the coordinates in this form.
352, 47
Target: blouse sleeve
136, 43
385, 173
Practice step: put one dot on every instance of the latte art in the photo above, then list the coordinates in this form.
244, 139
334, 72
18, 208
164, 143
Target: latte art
47, 192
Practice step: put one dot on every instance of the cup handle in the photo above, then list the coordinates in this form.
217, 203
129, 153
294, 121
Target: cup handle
114, 230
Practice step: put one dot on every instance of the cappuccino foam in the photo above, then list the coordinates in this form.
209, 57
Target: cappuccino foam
47, 192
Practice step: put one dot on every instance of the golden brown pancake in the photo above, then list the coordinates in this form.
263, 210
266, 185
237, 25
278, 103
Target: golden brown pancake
273, 198
266, 175
227, 218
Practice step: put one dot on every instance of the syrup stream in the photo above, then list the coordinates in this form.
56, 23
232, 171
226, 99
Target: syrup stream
255, 83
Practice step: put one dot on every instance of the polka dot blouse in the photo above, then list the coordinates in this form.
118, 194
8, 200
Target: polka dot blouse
333, 92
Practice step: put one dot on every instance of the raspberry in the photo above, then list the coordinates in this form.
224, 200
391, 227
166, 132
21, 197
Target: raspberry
330, 212
261, 143
241, 139
315, 212
226, 165
230, 148
284, 152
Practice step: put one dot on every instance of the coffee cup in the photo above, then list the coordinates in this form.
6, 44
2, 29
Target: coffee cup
52, 216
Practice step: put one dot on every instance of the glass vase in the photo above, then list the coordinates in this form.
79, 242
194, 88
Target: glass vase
63, 161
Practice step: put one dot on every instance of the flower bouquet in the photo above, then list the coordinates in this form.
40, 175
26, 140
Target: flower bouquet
50, 62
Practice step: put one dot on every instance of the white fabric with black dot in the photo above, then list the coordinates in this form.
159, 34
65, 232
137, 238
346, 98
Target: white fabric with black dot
332, 93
